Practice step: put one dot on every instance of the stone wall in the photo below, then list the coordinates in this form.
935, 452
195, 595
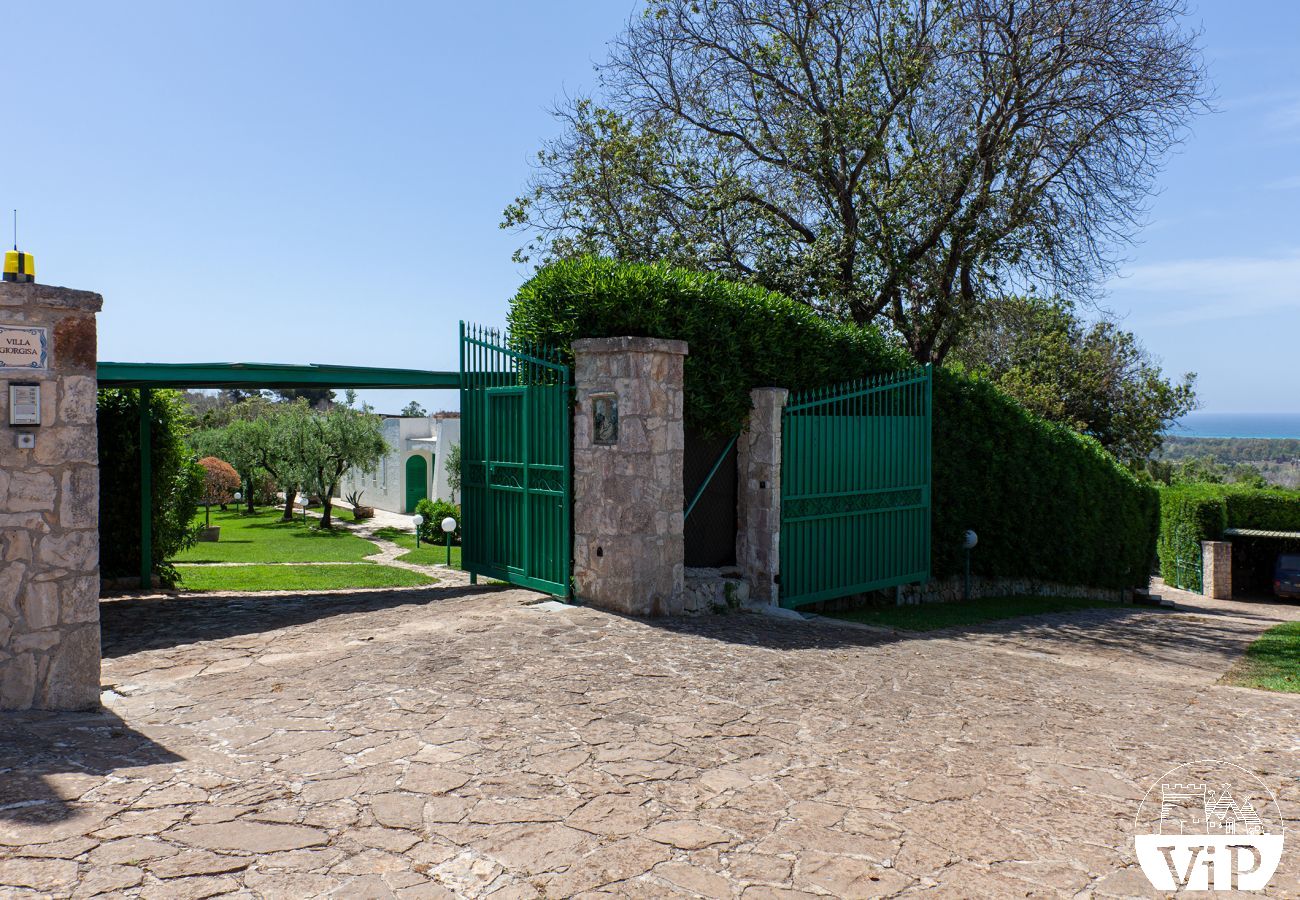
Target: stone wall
49, 511
1216, 569
952, 590
758, 507
628, 548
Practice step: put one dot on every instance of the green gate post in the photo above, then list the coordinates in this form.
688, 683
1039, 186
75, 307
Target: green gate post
146, 491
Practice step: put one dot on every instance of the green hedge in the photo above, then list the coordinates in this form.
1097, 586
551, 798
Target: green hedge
1188, 515
177, 481
740, 336
1047, 503
1193, 513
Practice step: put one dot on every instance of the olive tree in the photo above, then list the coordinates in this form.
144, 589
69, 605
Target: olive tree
329, 444
893, 161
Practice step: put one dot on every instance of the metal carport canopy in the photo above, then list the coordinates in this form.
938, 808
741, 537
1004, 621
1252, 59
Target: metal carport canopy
267, 375
1262, 533
146, 376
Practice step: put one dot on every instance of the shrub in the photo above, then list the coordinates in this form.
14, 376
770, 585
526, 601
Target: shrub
220, 481
1047, 503
177, 481
434, 511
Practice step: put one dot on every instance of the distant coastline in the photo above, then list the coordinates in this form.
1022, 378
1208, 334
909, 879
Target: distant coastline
1237, 425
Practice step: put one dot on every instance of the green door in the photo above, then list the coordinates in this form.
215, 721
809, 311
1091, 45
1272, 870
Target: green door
417, 481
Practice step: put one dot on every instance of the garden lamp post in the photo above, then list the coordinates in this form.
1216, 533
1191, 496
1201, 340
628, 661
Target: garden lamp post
304, 508
969, 540
417, 520
448, 526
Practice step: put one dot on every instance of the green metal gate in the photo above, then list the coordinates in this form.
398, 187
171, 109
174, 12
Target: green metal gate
515, 402
1188, 574
855, 487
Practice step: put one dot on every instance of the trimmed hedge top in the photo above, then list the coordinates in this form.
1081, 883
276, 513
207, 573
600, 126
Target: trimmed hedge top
740, 336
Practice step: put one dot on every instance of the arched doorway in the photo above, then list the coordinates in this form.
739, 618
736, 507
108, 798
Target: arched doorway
417, 481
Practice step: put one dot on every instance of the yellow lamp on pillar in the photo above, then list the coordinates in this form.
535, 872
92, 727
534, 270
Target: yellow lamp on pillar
19, 266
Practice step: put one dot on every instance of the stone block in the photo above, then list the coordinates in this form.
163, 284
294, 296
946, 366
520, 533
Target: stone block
63, 444
18, 681
77, 551
79, 600
12, 577
29, 492
72, 681
75, 344
79, 498
77, 400
39, 604
15, 545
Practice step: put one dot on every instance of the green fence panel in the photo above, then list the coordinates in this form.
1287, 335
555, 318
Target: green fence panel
855, 487
516, 502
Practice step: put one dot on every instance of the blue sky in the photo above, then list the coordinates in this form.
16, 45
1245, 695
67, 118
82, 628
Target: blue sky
314, 182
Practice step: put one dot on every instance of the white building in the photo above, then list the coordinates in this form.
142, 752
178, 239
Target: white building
415, 466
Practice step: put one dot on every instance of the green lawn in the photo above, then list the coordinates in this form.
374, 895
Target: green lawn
263, 538
932, 616
296, 578
1271, 663
427, 555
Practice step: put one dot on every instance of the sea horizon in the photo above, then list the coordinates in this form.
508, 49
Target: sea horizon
1237, 425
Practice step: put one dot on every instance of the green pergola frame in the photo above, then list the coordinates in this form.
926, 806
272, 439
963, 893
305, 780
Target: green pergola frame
147, 376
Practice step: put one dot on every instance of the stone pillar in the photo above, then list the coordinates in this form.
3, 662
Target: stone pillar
49, 503
1216, 569
758, 506
628, 442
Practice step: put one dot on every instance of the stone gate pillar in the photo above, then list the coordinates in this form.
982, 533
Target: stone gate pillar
1216, 569
758, 507
628, 505
49, 499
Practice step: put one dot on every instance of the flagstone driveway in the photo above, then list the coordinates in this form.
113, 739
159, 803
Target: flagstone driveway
461, 742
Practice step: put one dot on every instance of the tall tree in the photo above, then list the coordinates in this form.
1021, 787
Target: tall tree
904, 160
1093, 376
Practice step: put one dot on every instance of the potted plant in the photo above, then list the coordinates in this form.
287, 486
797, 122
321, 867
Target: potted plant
220, 481
359, 512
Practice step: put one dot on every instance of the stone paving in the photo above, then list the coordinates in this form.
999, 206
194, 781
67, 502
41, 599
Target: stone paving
475, 742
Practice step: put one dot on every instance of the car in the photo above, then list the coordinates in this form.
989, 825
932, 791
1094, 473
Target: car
1286, 576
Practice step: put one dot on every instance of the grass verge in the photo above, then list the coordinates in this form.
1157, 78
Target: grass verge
932, 616
1272, 662
427, 555
296, 578
263, 538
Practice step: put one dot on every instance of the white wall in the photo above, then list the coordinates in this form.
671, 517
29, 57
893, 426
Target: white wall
385, 486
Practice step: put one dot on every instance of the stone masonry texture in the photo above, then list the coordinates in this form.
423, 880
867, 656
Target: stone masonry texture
758, 512
628, 547
49, 512
1216, 569
472, 742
